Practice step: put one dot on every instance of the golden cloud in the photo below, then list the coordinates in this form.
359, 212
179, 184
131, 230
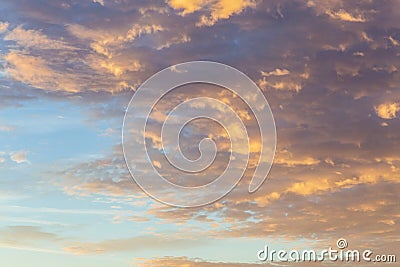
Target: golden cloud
218, 9
387, 110
345, 16
36, 72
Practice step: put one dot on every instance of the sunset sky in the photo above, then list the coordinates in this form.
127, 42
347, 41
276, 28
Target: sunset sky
330, 71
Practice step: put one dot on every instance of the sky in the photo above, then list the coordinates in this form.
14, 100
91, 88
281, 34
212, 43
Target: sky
330, 71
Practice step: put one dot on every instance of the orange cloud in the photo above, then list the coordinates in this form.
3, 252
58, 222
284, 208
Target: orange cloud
34, 38
3, 26
388, 110
218, 9
36, 72
345, 16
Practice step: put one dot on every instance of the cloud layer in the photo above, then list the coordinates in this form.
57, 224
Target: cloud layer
329, 70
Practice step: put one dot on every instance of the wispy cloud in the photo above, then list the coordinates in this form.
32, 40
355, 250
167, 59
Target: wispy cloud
131, 244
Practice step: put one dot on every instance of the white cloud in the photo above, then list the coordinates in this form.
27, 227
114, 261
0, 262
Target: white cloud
101, 2
6, 128
19, 157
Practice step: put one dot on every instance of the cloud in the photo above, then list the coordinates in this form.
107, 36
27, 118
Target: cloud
174, 41
286, 158
104, 42
187, 262
131, 244
6, 128
223, 9
35, 39
187, 7
394, 41
101, 2
345, 16
28, 233
329, 94
157, 164
340, 10
216, 9
29, 238
198, 262
276, 72
4, 26
116, 66
287, 86
19, 157
387, 111
36, 72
